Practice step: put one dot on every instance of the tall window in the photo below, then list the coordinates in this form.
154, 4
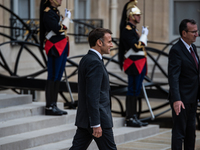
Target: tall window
28, 11
24, 8
186, 9
82, 9
182, 9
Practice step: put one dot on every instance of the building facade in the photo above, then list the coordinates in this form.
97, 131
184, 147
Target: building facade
161, 16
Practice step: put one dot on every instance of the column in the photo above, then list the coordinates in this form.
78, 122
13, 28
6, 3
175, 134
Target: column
114, 25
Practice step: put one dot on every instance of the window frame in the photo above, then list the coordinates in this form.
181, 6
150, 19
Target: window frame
172, 36
76, 9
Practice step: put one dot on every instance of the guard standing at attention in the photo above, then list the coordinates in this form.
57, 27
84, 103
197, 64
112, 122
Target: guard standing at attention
53, 29
132, 58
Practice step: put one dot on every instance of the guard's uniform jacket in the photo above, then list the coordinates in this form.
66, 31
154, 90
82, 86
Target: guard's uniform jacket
129, 39
52, 20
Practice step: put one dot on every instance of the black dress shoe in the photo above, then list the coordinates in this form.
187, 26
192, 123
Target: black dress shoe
63, 112
53, 111
132, 123
140, 122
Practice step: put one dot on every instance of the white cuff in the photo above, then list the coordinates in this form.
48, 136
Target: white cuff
96, 126
143, 39
65, 22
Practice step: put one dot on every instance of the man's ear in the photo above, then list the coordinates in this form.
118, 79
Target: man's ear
99, 42
184, 33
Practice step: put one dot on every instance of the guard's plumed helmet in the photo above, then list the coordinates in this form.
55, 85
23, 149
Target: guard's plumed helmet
131, 4
132, 9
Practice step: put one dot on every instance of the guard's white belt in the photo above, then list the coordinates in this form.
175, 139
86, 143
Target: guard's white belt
132, 52
51, 33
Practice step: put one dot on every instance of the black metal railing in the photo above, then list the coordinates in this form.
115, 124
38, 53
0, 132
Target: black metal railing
82, 27
20, 32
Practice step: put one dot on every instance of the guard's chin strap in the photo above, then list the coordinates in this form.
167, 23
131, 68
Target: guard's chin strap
56, 2
132, 17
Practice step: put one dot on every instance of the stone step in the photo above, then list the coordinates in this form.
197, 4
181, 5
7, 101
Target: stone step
43, 132
32, 123
38, 137
26, 127
121, 135
130, 133
14, 112
118, 122
62, 145
8, 100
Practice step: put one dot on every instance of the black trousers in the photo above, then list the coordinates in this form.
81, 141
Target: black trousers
84, 137
184, 126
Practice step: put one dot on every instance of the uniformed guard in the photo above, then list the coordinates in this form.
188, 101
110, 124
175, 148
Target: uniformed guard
53, 29
132, 58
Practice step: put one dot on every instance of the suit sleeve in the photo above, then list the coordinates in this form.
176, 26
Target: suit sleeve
174, 70
94, 77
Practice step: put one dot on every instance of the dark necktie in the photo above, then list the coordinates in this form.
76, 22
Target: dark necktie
193, 55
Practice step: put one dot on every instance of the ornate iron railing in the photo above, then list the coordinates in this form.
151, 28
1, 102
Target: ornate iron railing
82, 27
20, 32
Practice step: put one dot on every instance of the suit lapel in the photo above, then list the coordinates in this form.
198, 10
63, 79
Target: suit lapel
195, 50
103, 65
187, 53
93, 53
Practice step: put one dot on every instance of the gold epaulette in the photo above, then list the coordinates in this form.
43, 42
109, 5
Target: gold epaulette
139, 46
47, 9
128, 27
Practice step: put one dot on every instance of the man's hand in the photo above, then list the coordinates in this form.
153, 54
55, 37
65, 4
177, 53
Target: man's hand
97, 132
177, 107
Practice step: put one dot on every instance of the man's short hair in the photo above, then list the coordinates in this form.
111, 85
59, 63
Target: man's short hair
95, 34
183, 25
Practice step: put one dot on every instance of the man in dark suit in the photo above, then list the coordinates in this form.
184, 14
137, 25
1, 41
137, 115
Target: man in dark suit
93, 119
183, 76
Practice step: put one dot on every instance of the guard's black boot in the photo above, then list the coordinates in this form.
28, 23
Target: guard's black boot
56, 90
132, 123
140, 122
51, 108
131, 109
52, 111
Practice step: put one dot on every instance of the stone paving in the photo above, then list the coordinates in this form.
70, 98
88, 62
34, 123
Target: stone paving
160, 141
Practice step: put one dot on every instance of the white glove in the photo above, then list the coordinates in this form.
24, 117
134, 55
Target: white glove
66, 21
145, 30
67, 13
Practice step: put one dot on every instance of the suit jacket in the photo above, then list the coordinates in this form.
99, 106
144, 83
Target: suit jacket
183, 74
93, 93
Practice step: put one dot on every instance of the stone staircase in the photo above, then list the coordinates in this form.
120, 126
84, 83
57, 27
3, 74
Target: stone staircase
23, 125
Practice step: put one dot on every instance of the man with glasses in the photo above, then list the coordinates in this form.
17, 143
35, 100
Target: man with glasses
183, 76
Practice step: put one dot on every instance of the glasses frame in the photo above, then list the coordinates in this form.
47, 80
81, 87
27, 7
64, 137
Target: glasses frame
193, 32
